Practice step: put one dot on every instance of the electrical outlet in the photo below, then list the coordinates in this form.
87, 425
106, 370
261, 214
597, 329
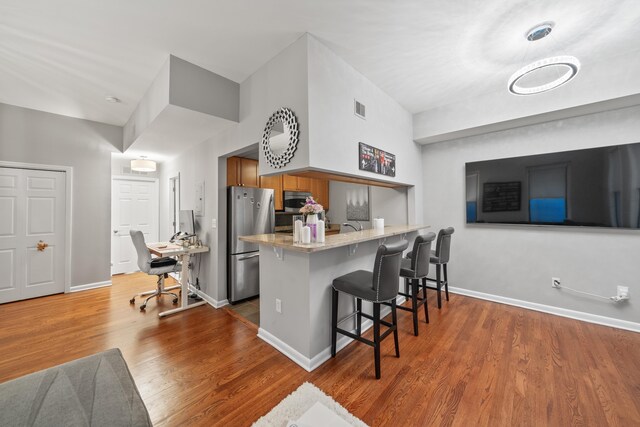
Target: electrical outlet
278, 306
555, 282
623, 292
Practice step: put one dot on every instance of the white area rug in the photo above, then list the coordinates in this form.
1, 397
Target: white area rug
297, 403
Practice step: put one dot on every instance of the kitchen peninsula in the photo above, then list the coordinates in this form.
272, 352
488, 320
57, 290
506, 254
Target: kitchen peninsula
295, 282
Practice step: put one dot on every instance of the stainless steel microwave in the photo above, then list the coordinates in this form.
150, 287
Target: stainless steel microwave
294, 200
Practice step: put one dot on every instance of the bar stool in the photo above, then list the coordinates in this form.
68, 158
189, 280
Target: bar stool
440, 258
378, 287
412, 270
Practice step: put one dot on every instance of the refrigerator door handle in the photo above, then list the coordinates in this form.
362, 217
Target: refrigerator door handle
248, 257
272, 208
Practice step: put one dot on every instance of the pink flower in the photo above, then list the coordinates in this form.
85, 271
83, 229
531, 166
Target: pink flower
311, 207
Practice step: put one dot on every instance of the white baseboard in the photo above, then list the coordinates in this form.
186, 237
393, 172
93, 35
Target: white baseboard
222, 303
211, 301
285, 349
309, 364
78, 288
563, 312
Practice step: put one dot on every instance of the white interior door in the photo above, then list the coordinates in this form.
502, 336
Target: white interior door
134, 206
32, 233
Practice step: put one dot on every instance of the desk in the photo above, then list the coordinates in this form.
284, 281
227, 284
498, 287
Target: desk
183, 254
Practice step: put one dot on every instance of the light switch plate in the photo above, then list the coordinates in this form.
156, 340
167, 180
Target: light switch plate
214, 223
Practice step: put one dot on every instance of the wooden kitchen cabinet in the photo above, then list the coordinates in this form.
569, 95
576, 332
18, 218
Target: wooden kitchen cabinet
296, 183
318, 187
289, 182
242, 172
233, 167
275, 183
320, 191
249, 172
304, 184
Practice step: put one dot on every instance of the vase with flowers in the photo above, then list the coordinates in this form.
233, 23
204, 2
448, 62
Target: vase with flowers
311, 210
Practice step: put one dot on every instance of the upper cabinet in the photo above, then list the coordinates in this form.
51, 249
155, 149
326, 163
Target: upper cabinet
296, 183
274, 182
320, 191
318, 187
242, 172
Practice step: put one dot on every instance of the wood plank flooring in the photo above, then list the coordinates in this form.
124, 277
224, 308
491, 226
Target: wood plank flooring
476, 363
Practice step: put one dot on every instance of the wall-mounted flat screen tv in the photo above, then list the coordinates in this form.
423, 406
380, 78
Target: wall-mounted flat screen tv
595, 187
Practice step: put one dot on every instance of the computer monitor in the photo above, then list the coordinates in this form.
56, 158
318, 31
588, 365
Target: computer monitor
187, 222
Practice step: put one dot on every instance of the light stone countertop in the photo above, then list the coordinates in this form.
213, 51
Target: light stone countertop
332, 241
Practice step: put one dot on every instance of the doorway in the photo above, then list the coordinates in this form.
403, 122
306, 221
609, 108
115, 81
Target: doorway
33, 232
134, 206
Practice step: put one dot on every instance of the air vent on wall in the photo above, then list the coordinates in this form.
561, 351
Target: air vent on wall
360, 110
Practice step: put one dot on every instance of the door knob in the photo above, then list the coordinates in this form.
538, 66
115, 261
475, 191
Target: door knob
41, 246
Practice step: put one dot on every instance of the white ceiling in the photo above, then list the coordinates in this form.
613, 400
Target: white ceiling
65, 56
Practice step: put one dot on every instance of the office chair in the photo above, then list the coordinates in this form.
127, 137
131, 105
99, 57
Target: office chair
160, 267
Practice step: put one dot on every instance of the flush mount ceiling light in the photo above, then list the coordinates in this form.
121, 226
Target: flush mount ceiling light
553, 71
112, 99
143, 165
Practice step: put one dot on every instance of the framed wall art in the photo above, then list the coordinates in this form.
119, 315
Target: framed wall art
375, 160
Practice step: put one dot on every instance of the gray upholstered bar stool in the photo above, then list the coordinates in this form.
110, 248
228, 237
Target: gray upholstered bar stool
378, 287
412, 270
440, 258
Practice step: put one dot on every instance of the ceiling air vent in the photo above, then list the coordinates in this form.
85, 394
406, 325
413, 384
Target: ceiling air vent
359, 110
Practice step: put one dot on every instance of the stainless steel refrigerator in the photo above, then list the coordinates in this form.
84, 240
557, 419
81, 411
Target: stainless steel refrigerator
249, 211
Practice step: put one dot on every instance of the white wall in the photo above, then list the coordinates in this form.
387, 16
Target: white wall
335, 131
517, 261
197, 89
282, 82
194, 166
150, 106
288, 80
31, 136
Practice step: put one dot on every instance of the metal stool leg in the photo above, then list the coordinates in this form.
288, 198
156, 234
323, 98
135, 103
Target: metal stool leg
359, 317
334, 321
439, 284
414, 305
424, 295
394, 317
446, 281
376, 337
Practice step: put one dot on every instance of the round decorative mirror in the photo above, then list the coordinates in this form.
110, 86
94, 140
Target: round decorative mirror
280, 138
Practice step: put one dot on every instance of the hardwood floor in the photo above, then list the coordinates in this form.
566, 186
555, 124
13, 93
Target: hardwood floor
476, 363
249, 310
